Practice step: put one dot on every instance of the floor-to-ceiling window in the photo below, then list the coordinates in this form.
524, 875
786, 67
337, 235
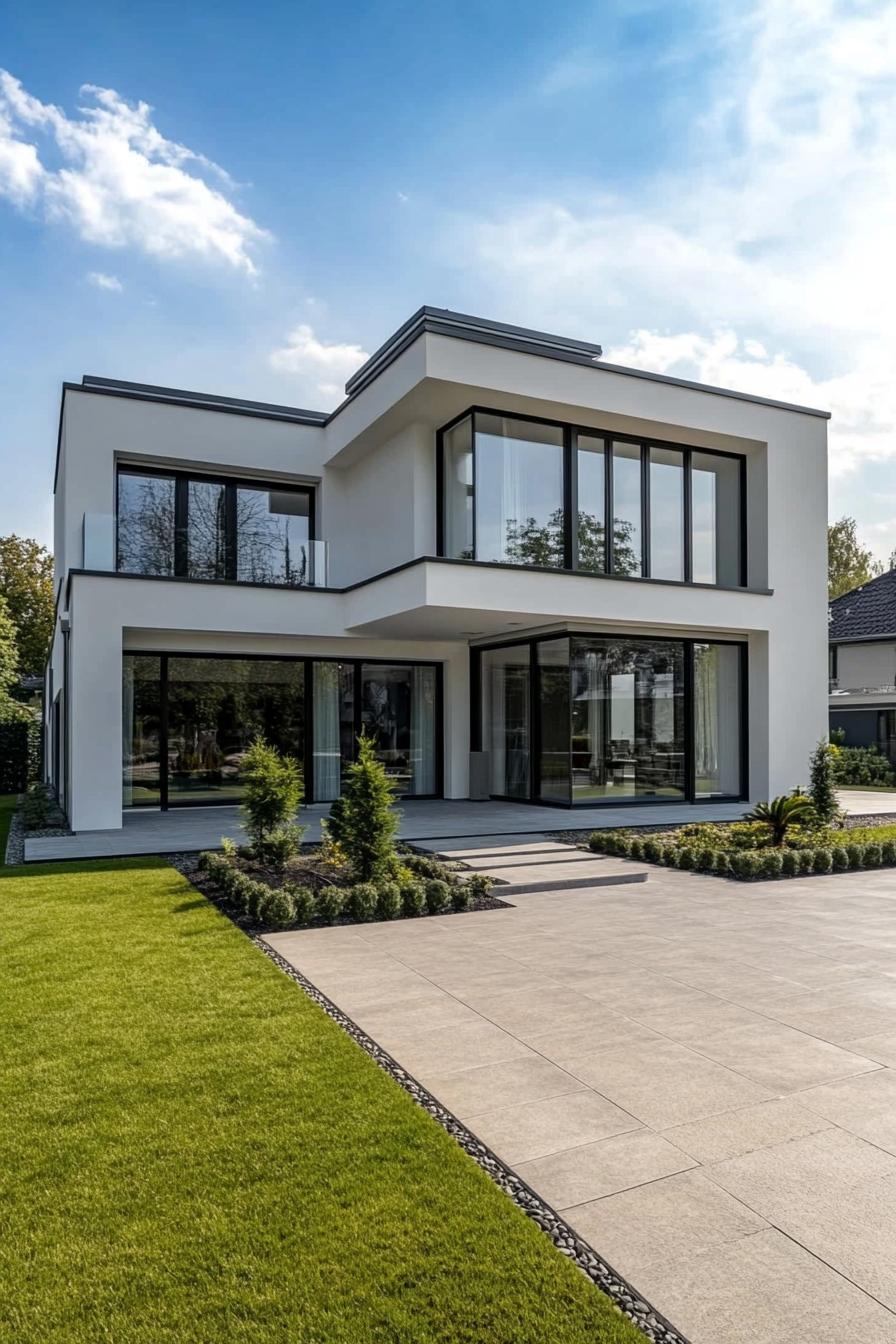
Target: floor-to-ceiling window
522, 491
613, 718
188, 721
506, 695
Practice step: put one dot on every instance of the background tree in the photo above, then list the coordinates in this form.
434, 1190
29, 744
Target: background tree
26, 583
9, 665
849, 563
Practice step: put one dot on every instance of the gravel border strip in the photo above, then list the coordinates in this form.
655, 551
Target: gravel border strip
15, 842
654, 1326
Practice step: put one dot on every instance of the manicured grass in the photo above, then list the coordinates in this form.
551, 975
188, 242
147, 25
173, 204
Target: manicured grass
7, 808
192, 1151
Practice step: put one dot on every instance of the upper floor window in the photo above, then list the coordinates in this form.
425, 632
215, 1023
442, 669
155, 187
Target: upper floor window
531, 492
201, 528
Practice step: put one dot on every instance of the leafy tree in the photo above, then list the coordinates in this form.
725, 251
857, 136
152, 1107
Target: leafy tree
367, 821
9, 665
26, 582
821, 785
849, 563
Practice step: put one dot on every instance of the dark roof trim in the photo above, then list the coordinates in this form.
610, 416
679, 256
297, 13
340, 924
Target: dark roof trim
206, 400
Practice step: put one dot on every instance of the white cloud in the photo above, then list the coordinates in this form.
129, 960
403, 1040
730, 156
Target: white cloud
117, 180
771, 231
103, 281
319, 367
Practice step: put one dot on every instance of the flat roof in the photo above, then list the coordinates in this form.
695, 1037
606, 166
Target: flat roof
440, 322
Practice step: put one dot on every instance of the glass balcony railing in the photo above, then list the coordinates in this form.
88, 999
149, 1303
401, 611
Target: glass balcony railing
158, 553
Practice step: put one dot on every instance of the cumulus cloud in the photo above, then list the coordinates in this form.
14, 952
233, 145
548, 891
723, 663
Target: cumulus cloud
112, 175
318, 367
771, 232
102, 281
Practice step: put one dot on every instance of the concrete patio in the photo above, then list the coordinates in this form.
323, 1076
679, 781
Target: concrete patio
701, 1075
194, 828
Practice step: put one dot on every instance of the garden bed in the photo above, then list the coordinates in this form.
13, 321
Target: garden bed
310, 890
744, 852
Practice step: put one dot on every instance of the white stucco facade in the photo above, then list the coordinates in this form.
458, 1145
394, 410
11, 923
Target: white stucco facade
373, 468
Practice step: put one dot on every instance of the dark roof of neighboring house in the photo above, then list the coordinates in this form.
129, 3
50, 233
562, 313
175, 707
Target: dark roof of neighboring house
867, 612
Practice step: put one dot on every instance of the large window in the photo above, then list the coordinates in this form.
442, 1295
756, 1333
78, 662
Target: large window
613, 718
528, 492
188, 721
199, 528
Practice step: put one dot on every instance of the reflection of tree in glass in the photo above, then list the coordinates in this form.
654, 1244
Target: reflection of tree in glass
266, 551
206, 537
146, 525
534, 544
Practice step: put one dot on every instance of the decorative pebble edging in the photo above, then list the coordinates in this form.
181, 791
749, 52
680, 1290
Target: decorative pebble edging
15, 843
654, 1326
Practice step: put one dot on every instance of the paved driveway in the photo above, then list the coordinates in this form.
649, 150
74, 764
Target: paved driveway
701, 1074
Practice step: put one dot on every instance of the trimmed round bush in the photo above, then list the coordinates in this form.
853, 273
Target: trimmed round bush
807, 861
636, 847
329, 903
705, 861
276, 908
622, 847
461, 897
770, 863
790, 863
822, 861
856, 855
652, 850
412, 899
597, 842
388, 900
250, 894
480, 885
745, 864
873, 856
686, 857
888, 852
361, 903
839, 859
722, 864
304, 904
437, 896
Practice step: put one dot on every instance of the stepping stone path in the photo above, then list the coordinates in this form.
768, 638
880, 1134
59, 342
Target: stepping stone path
534, 864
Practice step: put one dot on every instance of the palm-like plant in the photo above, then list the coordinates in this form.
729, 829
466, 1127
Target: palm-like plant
783, 812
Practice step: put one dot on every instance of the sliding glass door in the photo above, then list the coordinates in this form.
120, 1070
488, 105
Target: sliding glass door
588, 719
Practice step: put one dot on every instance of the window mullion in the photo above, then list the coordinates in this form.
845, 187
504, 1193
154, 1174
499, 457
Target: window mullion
181, 523
688, 520
645, 510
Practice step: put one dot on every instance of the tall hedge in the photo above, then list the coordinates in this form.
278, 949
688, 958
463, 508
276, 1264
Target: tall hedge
15, 755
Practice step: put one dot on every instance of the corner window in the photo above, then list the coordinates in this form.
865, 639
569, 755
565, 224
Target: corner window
530, 492
170, 524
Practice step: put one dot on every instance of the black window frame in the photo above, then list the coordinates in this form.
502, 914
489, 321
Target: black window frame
307, 760
231, 484
571, 432
690, 780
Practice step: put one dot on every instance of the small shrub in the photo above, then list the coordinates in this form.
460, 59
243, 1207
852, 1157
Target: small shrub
202, 863
686, 857
461, 897
888, 852
745, 864
334, 824
636, 847
272, 790
821, 787
413, 899
480, 885
706, 860
653, 850
807, 861
622, 847
822, 861
597, 842
388, 900
304, 903
769, 863
722, 863
36, 807
228, 847
361, 903
329, 903
277, 847
425, 866
276, 908
781, 813
839, 859
790, 863
437, 896
855, 853
253, 896
873, 856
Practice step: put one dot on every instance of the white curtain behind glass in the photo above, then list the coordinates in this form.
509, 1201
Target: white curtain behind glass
423, 730
326, 743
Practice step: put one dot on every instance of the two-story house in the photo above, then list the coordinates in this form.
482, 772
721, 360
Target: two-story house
528, 573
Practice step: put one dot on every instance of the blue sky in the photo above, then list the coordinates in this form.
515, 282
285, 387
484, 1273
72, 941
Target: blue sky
245, 199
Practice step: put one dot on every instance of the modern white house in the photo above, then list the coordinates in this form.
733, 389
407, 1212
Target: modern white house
862, 635
528, 573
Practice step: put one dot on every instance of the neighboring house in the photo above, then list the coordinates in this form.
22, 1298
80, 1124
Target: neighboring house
528, 573
862, 665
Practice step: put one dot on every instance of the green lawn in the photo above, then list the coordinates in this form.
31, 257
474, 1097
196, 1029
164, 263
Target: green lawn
192, 1151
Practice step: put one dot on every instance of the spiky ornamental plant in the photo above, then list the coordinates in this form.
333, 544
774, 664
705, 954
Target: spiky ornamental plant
821, 783
783, 812
367, 818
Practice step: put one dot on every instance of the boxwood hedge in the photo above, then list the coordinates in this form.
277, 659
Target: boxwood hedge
746, 865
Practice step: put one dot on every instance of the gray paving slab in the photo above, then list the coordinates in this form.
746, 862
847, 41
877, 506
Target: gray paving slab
667, 1063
